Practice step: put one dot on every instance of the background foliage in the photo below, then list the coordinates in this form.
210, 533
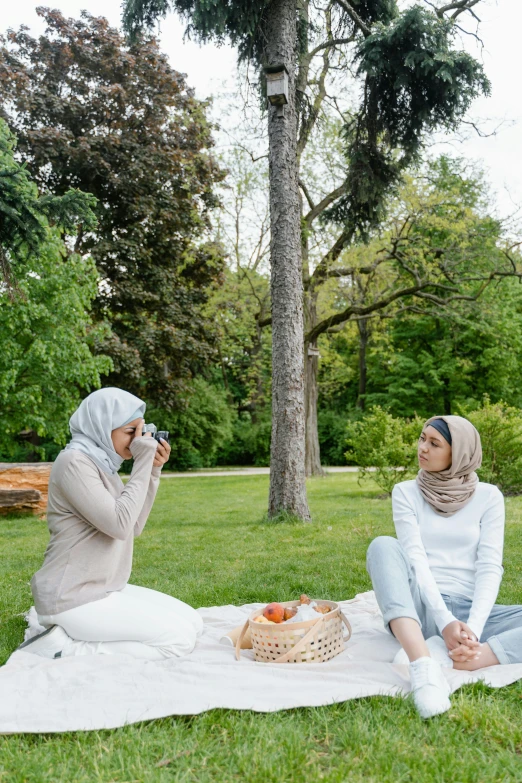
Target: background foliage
114, 120
47, 333
131, 287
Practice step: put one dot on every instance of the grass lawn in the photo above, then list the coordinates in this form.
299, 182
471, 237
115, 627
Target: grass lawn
205, 543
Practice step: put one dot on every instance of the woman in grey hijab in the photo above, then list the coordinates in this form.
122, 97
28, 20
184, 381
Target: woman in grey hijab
437, 582
81, 592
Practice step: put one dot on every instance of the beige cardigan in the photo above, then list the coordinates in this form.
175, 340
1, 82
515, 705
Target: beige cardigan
93, 519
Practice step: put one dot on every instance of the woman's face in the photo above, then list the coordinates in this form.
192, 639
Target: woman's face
434, 451
122, 438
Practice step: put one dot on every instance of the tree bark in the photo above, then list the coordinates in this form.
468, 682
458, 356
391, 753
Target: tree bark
287, 457
364, 336
311, 358
313, 451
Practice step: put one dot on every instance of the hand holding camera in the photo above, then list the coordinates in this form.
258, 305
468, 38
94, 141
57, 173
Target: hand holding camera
162, 437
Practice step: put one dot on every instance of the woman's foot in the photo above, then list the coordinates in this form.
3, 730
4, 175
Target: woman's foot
429, 687
49, 644
437, 649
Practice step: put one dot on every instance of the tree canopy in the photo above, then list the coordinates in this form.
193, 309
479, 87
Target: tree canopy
46, 330
414, 80
117, 121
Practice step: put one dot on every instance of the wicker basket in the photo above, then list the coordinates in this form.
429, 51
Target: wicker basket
312, 641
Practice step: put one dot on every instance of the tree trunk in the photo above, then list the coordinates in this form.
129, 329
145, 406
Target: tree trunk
313, 452
287, 456
311, 358
364, 336
257, 395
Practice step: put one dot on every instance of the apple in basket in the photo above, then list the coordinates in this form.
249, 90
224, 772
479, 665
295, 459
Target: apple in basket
274, 612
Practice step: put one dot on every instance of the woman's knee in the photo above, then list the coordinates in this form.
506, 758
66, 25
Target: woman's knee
175, 636
380, 549
184, 615
183, 644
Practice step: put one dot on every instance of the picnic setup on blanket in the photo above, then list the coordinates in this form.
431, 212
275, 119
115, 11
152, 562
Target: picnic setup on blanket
303, 631
39, 695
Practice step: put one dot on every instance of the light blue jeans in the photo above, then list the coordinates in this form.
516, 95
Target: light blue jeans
398, 595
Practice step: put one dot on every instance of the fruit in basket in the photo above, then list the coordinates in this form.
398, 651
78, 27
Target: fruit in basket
274, 612
322, 609
304, 599
262, 619
290, 611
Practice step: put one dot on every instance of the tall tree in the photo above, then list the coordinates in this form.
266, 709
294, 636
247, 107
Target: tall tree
46, 331
413, 81
117, 121
436, 290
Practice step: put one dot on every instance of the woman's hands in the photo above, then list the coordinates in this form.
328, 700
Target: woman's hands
162, 450
162, 454
461, 642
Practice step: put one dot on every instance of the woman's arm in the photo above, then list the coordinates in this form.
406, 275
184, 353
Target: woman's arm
161, 458
83, 489
149, 500
408, 533
488, 563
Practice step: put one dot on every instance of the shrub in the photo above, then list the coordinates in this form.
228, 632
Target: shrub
332, 437
250, 442
385, 443
197, 431
500, 428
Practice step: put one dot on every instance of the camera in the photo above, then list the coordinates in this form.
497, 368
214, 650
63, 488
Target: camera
156, 434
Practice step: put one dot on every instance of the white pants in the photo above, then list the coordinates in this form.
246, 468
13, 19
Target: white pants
134, 621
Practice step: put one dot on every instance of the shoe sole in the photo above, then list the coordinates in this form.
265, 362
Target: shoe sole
35, 638
433, 714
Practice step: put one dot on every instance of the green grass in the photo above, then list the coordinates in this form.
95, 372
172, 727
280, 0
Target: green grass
206, 543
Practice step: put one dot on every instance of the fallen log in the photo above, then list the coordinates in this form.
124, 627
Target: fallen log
23, 486
19, 498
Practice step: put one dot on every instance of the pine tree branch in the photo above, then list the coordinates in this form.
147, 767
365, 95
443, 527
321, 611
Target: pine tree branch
264, 321
351, 271
354, 16
329, 44
457, 6
321, 270
309, 122
307, 194
327, 200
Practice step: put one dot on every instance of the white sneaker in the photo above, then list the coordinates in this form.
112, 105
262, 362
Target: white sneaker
438, 651
49, 644
429, 687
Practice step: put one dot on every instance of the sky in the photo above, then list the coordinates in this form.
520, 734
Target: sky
209, 67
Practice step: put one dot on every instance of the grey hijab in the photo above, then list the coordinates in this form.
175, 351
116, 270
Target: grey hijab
92, 423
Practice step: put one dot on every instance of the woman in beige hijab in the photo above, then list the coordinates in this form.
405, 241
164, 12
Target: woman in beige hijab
437, 582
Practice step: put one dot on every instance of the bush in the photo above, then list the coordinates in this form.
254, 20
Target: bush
332, 437
500, 428
197, 431
386, 443
250, 442
389, 444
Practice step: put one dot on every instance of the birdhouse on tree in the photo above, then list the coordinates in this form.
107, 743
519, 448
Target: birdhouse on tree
277, 84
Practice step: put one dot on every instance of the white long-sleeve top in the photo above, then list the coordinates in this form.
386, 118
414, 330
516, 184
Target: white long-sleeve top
459, 555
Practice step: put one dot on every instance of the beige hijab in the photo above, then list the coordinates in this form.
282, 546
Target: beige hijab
447, 491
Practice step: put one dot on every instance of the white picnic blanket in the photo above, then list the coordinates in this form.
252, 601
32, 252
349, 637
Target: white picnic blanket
103, 691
